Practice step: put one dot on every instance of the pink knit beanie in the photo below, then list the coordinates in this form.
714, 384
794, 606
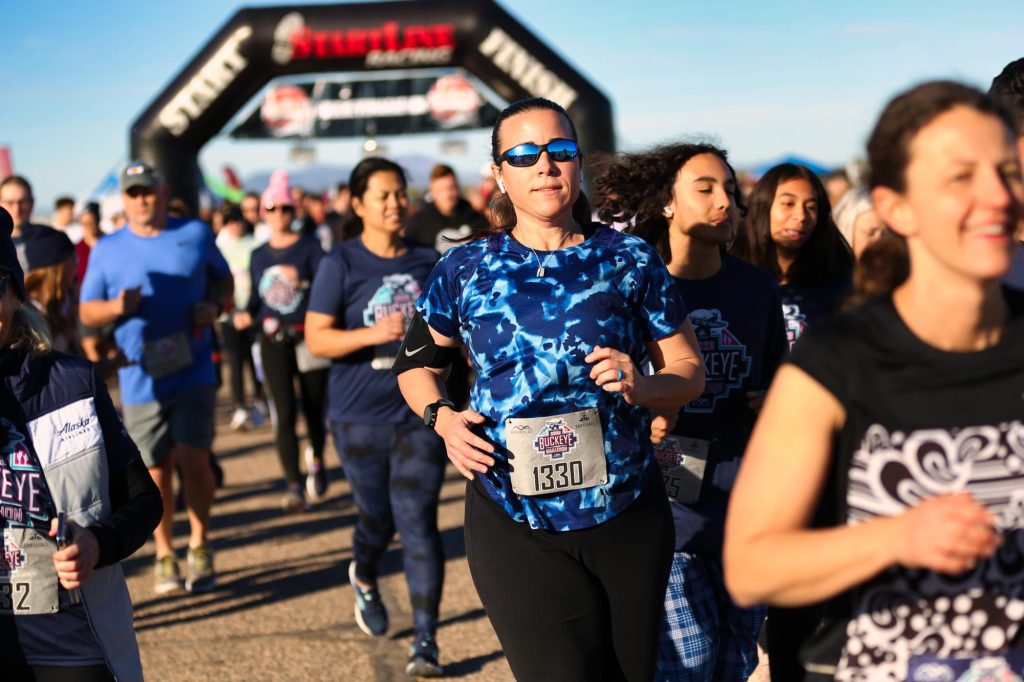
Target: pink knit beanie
277, 192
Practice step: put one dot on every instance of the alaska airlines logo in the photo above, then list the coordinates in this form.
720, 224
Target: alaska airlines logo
398, 293
75, 428
726, 361
555, 440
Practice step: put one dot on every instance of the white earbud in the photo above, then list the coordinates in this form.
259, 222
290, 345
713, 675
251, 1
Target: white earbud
581, 177
501, 186
668, 212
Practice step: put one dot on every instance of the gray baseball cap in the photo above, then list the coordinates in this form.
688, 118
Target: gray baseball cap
138, 174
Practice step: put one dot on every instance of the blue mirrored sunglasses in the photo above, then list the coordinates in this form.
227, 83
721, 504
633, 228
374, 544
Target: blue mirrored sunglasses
523, 155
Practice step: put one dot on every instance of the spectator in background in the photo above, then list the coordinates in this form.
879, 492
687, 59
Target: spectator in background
837, 184
316, 222
50, 285
857, 221
446, 216
1008, 88
64, 219
89, 222
789, 231
236, 244
16, 197
341, 210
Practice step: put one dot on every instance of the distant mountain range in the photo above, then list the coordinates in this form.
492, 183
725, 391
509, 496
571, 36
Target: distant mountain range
323, 177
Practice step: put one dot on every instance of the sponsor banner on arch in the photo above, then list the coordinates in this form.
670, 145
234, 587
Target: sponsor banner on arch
369, 108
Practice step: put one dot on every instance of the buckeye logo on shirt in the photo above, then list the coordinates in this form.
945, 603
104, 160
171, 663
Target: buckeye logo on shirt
397, 293
726, 361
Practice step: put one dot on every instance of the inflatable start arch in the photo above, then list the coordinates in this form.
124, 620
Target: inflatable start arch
258, 45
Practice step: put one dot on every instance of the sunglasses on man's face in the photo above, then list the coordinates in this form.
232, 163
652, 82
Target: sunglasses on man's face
284, 207
527, 154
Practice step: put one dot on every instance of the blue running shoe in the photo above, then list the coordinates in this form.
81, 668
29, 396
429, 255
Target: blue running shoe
371, 616
423, 657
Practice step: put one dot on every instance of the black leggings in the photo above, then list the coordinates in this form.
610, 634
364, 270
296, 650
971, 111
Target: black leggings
576, 605
280, 370
238, 345
58, 673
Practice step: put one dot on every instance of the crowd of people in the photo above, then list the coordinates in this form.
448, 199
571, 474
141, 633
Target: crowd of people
703, 423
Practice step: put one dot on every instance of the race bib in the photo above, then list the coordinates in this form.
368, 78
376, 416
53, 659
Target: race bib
306, 361
1006, 667
384, 356
165, 356
682, 461
556, 454
28, 580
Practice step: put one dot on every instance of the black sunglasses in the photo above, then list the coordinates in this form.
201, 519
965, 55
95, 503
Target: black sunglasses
527, 154
284, 207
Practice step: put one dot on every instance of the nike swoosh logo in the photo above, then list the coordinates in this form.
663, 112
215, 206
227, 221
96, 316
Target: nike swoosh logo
410, 353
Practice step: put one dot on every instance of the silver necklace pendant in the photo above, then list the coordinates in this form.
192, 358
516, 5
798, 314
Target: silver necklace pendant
540, 271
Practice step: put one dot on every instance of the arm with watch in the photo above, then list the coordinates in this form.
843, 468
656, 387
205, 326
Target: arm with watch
422, 365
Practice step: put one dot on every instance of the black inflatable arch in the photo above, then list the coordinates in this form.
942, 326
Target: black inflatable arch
257, 45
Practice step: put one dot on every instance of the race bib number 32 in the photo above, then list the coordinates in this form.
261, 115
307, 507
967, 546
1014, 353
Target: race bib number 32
28, 580
556, 454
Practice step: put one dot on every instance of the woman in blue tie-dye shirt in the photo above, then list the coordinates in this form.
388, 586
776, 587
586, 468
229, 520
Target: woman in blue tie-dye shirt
568, 531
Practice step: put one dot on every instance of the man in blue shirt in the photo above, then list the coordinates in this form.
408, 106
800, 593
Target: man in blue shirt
162, 282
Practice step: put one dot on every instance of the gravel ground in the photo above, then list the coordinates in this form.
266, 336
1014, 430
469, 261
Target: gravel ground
283, 608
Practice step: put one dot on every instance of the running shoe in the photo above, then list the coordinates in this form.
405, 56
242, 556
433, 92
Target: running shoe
239, 419
371, 616
166, 576
423, 656
316, 476
200, 576
258, 415
293, 501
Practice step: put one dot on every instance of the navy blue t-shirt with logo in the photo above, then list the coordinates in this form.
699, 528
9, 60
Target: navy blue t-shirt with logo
280, 281
804, 304
737, 317
358, 288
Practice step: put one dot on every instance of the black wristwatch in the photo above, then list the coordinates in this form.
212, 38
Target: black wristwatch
431, 410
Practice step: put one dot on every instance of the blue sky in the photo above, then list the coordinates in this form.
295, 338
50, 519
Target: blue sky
762, 78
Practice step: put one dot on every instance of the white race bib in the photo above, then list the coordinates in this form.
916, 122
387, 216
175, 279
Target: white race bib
556, 454
28, 579
682, 461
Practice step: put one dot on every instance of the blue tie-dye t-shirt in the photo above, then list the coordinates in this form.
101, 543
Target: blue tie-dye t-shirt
528, 336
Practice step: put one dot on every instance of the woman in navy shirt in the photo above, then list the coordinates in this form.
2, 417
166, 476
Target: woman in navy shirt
280, 272
362, 299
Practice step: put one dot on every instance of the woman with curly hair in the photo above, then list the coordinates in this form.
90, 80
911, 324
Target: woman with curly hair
682, 199
789, 231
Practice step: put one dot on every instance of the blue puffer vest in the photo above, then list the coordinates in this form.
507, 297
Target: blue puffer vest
51, 397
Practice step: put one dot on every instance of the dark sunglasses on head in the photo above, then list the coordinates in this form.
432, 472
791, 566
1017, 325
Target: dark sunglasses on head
527, 154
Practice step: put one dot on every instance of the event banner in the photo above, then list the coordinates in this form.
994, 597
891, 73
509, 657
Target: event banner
369, 108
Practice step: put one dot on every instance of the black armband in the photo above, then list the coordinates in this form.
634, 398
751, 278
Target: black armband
420, 350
